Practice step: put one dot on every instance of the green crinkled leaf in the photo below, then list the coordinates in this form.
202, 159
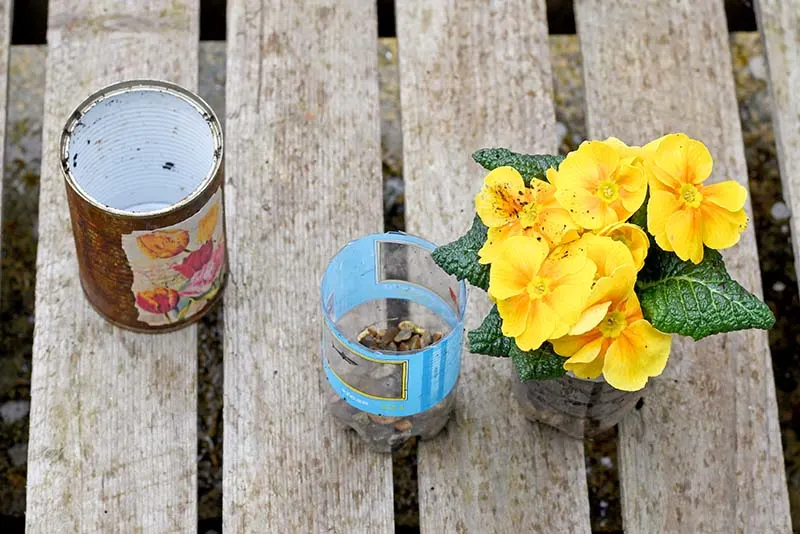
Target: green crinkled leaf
539, 364
460, 258
697, 300
530, 166
488, 338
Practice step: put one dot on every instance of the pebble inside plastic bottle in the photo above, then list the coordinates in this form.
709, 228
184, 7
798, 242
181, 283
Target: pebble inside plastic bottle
391, 339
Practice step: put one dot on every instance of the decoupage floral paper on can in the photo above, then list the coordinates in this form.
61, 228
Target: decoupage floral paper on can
178, 269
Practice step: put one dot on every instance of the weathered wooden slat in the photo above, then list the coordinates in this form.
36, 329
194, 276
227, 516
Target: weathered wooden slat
704, 451
475, 75
6, 7
113, 415
779, 25
303, 178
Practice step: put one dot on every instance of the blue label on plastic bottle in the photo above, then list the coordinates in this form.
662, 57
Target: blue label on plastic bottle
375, 270
394, 384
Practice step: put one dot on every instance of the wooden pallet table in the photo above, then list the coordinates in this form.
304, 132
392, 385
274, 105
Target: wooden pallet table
113, 418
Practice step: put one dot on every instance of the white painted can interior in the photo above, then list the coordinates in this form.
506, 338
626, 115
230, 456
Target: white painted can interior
141, 150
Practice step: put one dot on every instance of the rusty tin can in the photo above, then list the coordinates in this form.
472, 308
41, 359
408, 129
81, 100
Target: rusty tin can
142, 164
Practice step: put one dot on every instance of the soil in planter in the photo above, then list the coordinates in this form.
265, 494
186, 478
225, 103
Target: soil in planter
387, 433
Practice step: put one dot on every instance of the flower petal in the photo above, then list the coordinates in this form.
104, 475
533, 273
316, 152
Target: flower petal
632, 199
590, 318
631, 309
496, 237
721, 229
588, 352
699, 162
499, 201
581, 169
606, 253
555, 224
639, 353
650, 148
589, 370
729, 195
616, 287
542, 191
563, 262
514, 312
587, 362
568, 345
624, 151
631, 178
541, 323
506, 281
685, 235
585, 208
661, 206
612, 213
552, 176
604, 157
569, 297
633, 237
669, 161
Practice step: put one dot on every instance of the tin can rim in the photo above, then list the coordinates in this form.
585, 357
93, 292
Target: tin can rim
127, 86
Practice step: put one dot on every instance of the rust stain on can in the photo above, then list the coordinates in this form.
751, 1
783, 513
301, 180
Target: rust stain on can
142, 162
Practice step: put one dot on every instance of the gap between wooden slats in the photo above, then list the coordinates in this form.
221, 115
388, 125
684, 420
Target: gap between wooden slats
6, 8
779, 24
476, 75
704, 452
113, 416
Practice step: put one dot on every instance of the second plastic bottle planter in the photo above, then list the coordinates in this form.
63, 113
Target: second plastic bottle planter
393, 326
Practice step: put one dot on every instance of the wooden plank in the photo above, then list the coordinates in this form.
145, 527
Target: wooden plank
303, 178
6, 8
779, 23
113, 417
704, 451
475, 75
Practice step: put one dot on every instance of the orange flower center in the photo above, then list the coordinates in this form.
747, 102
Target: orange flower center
613, 324
691, 196
528, 215
538, 287
608, 191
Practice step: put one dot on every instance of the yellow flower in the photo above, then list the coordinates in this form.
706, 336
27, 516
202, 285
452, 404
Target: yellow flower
205, 229
601, 183
539, 296
502, 198
509, 209
615, 269
683, 214
624, 347
632, 237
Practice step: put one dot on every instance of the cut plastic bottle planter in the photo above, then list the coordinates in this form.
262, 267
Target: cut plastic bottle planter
390, 282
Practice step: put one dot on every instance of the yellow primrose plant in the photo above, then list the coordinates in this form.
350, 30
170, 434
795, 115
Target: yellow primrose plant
594, 259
